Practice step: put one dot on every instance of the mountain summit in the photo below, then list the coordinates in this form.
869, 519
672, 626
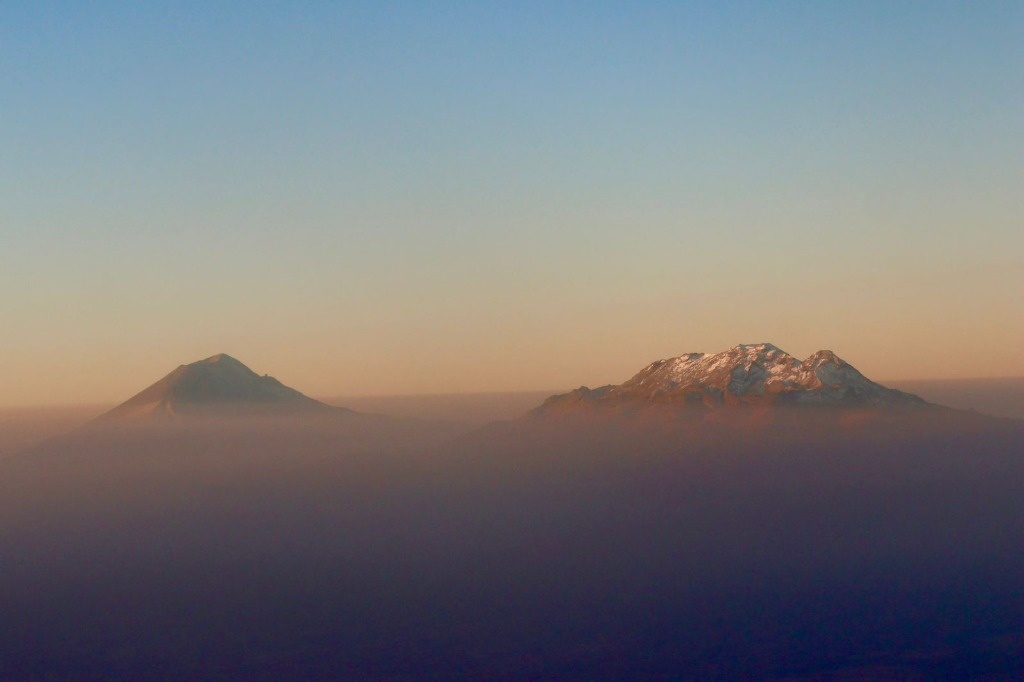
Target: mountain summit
747, 374
217, 385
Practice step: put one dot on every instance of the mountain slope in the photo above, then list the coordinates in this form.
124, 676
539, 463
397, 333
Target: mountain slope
747, 374
217, 385
219, 409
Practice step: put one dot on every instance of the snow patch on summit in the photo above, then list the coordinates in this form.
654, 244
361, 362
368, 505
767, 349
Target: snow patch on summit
751, 374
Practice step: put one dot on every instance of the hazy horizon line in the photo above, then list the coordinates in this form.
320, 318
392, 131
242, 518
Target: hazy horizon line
493, 392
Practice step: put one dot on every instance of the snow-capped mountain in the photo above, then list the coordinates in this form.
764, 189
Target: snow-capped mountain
217, 384
747, 374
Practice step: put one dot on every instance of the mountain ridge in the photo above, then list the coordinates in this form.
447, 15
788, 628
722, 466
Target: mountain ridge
759, 374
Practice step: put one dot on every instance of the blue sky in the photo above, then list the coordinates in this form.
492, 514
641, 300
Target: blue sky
414, 197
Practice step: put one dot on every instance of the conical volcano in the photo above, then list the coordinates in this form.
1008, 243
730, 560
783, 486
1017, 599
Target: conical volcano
219, 385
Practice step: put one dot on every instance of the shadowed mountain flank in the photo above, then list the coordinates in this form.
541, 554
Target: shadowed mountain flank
222, 409
217, 386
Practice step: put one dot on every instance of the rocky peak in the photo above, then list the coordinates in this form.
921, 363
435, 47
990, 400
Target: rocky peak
750, 374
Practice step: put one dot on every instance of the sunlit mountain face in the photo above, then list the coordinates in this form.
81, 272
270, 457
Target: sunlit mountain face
738, 515
750, 375
748, 395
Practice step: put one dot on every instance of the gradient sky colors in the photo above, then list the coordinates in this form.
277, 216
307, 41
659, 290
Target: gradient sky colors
399, 198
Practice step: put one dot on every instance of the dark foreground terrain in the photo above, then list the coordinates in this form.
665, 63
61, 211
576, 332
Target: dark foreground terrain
758, 544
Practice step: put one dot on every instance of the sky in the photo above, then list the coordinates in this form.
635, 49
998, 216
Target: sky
386, 198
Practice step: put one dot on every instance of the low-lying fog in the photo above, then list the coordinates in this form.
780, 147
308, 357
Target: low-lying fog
472, 409
995, 397
817, 545
21, 427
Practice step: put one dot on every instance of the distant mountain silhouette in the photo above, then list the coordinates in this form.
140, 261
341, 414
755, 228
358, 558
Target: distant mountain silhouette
219, 385
218, 407
754, 374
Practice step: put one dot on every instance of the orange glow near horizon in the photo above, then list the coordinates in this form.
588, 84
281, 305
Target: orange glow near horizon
555, 198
